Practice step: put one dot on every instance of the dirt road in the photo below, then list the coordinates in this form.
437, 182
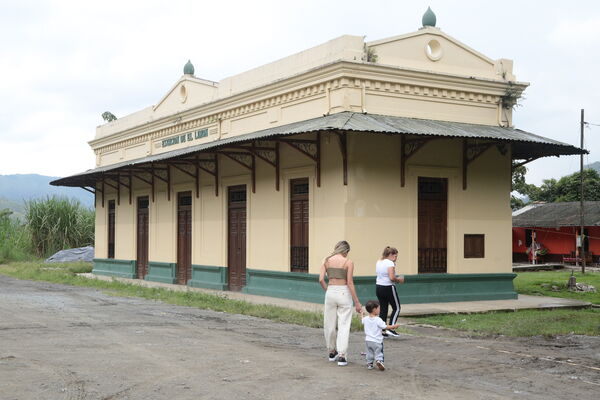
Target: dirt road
62, 342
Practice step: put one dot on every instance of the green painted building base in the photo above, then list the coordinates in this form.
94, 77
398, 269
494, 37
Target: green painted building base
112, 267
209, 277
287, 285
161, 272
424, 288
441, 288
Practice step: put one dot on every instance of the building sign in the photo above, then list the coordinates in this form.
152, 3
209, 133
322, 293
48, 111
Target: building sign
186, 137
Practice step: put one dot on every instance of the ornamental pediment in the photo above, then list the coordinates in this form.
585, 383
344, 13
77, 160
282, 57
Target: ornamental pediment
187, 92
433, 50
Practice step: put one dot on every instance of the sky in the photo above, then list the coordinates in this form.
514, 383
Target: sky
63, 63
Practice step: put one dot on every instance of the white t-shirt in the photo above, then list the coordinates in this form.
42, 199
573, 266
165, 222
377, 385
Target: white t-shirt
381, 269
373, 327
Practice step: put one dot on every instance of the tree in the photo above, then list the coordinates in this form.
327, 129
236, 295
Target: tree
568, 188
519, 185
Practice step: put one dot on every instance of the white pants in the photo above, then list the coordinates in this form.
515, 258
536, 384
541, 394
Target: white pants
337, 318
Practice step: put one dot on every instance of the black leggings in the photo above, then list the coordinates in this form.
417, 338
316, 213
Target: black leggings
388, 295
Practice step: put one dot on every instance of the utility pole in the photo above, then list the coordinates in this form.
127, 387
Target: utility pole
581, 236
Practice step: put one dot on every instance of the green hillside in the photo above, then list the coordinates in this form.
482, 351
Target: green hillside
17, 207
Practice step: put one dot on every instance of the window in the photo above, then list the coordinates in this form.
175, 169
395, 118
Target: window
474, 246
111, 229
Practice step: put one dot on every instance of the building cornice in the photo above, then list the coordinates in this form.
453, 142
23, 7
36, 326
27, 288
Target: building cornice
316, 82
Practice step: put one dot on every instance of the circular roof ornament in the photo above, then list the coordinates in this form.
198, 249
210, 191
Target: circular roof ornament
188, 69
429, 18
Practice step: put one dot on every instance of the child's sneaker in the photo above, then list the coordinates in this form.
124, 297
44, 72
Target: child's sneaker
342, 361
333, 356
370, 366
380, 365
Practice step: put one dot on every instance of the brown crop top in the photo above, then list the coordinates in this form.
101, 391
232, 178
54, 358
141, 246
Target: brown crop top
337, 273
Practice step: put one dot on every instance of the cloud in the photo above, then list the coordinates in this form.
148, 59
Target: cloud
576, 32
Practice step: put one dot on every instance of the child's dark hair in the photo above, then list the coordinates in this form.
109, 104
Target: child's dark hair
371, 305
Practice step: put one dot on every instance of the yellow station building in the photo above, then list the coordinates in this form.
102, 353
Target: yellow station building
247, 183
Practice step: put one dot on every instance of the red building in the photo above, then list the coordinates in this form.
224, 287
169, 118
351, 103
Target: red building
552, 229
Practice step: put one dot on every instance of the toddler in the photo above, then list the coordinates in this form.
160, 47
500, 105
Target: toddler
373, 334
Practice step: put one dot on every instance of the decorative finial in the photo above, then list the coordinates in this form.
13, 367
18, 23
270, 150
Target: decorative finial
188, 69
429, 18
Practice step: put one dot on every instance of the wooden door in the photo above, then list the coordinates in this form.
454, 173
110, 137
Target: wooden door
111, 229
142, 237
184, 237
433, 216
299, 225
236, 233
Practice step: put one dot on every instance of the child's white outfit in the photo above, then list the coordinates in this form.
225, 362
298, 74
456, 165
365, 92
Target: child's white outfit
373, 338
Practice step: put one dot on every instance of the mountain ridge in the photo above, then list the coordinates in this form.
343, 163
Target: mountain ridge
17, 189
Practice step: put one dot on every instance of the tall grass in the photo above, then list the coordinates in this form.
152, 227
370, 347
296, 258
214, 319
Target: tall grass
58, 223
15, 242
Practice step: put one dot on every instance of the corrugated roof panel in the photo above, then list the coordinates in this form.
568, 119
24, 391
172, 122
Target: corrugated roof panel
524, 143
553, 215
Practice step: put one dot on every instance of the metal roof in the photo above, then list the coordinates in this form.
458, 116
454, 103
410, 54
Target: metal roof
524, 144
554, 215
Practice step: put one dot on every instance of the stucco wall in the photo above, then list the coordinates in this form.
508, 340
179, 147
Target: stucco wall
371, 212
379, 212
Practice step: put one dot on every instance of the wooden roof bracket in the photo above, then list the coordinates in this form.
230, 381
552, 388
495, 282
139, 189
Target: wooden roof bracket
119, 183
270, 155
209, 166
183, 170
117, 187
408, 147
152, 171
343, 141
470, 154
154, 174
109, 184
310, 148
142, 179
242, 159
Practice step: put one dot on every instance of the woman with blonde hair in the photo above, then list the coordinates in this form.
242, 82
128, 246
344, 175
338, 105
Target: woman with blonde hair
385, 287
339, 295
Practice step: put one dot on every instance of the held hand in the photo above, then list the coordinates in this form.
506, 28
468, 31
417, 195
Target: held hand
400, 278
358, 308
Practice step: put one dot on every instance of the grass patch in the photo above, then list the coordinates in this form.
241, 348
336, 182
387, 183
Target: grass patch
531, 283
66, 273
533, 322
522, 323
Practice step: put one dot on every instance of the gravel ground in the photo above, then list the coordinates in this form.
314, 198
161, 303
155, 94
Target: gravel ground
63, 342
